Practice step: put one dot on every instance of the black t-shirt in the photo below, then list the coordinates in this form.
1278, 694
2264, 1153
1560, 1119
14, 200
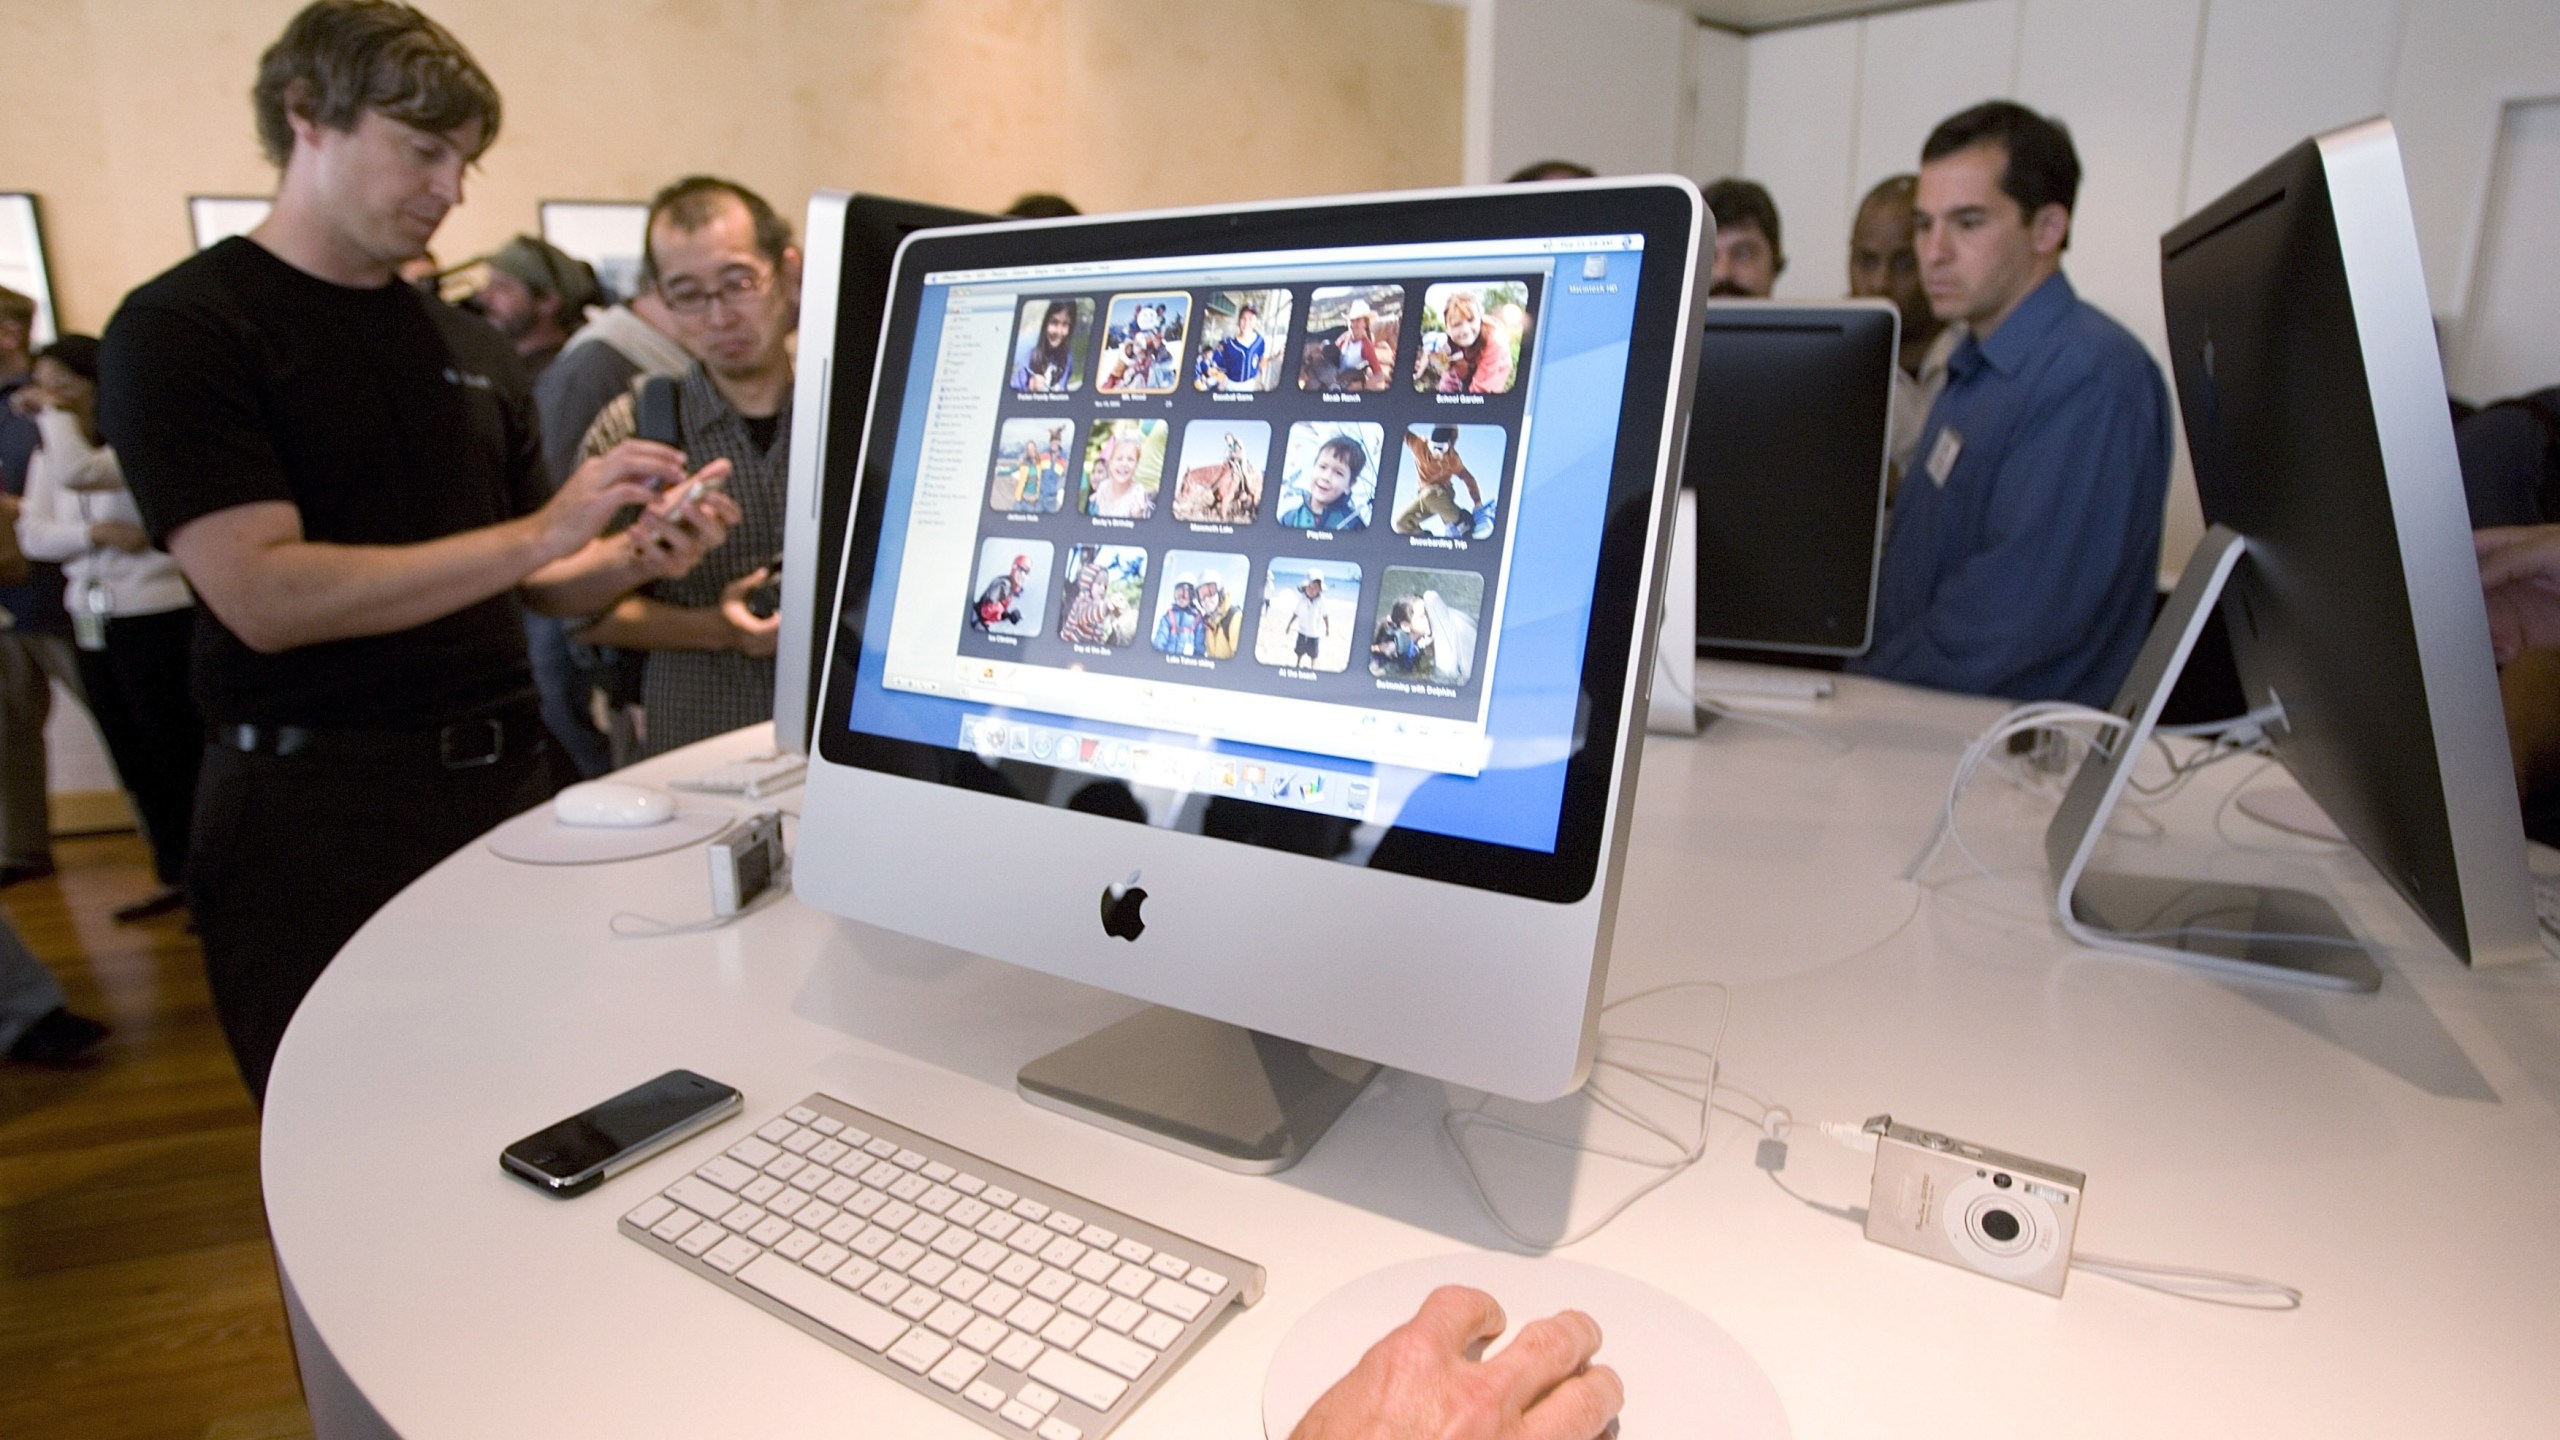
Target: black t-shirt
385, 417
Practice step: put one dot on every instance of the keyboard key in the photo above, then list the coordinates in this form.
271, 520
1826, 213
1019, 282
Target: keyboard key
760, 1189
1157, 1331
801, 1142
651, 1211
901, 1254
999, 1226
840, 1310
1054, 1428
852, 1271
1018, 1350
957, 1369
1095, 1235
909, 1187
828, 1257
826, 1125
934, 1269
955, 1242
796, 1245
866, 1202
855, 1136
1064, 1253
894, 1215
789, 1202
995, 1195
937, 1199
1038, 1396
770, 1231
1096, 1267
1020, 1414
843, 1228
809, 1178
1064, 1223
726, 1173
919, 1350
1087, 1383
702, 1197
1031, 1210
1131, 1280
755, 1153
1205, 1280
939, 1173
982, 1395
1051, 1285
1032, 1313
1121, 1315
961, 1283
882, 1175
968, 1184
674, 1223
776, 1128
996, 1298
1086, 1299
783, 1167
983, 1334
1171, 1267
908, 1160
731, 1253
916, 1302
744, 1218
835, 1191
1177, 1300
947, 1318
1066, 1331
1136, 1252
1017, 1270
1125, 1358
968, 1210
1030, 1239
871, 1241
799, 1114
828, 1152
701, 1238
885, 1287
988, 1255
923, 1229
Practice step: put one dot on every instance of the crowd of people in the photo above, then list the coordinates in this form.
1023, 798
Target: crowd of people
347, 575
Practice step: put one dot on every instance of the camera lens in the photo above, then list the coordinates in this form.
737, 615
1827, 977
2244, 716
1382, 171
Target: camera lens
2000, 1180
2000, 1225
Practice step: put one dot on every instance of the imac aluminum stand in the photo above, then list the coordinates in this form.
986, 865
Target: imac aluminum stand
1221, 1094
2258, 932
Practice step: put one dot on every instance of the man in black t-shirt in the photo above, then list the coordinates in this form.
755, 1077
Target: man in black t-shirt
350, 475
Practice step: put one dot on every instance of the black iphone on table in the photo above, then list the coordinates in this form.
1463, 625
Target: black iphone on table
583, 1151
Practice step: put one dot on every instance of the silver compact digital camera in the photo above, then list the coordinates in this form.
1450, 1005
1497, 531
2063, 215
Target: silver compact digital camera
1997, 1214
746, 861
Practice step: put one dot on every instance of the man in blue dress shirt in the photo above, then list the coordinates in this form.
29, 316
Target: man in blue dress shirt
2025, 548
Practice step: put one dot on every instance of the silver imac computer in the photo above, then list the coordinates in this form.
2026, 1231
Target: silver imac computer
1788, 459
2340, 553
1247, 611
848, 247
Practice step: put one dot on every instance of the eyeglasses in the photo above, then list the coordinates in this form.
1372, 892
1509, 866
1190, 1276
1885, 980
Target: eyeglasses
736, 286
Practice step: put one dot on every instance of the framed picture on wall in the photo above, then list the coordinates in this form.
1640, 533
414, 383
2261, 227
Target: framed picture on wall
216, 218
608, 234
22, 266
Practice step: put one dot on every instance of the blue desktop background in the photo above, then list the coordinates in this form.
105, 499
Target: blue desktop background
1571, 439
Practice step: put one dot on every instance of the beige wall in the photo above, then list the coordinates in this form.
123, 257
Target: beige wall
122, 108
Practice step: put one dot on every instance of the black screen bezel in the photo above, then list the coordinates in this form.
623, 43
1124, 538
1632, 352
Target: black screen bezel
1666, 215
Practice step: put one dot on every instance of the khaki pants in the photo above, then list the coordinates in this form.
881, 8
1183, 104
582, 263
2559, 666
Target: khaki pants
29, 664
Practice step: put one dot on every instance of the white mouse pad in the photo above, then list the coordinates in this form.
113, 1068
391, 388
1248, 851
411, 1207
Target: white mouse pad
535, 838
1684, 1375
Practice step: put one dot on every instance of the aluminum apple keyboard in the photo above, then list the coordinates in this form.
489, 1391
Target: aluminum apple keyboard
1031, 1310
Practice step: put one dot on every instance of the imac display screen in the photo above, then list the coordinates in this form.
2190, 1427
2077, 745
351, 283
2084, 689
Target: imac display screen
1297, 544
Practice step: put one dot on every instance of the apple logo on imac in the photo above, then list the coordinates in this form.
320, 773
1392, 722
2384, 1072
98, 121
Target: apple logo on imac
1120, 909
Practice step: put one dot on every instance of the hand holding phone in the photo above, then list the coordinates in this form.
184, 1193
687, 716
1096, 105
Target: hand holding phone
583, 1151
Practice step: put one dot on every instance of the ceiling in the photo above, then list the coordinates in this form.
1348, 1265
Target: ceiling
1752, 16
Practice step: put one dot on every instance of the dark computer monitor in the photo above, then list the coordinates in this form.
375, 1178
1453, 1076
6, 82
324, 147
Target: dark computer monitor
1787, 453
851, 244
2341, 551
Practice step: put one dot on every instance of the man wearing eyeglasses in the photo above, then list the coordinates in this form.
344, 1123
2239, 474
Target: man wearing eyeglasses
349, 475
722, 263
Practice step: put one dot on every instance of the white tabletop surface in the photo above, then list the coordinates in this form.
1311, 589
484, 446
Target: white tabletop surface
2397, 1157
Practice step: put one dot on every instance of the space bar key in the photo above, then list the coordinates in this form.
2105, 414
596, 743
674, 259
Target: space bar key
831, 1305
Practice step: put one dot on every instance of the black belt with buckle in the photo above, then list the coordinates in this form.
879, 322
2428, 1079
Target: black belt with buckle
463, 745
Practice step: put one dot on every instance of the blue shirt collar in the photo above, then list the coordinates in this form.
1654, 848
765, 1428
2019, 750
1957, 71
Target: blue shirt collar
2021, 335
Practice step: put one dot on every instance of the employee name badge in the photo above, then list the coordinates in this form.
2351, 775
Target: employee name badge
1942, 456
89, 618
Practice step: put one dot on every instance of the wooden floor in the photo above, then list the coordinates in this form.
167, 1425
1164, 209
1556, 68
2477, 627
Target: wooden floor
137, 1290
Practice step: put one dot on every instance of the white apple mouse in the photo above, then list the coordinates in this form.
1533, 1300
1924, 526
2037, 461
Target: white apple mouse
612, 804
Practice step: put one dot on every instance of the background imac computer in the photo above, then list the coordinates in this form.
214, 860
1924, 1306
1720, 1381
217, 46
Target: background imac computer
846, 251
1788, 449
2341, 551
1244, 611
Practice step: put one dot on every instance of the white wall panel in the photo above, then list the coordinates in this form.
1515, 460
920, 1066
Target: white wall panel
2276, 71
1604, 82
2122, 76
2512, 344
1919, 67
2461, 61
1719, 83
1799, 136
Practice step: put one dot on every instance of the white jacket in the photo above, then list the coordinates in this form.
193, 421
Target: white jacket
72, 485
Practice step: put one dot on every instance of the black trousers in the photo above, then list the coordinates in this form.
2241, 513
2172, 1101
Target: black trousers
138, 693
292, 854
